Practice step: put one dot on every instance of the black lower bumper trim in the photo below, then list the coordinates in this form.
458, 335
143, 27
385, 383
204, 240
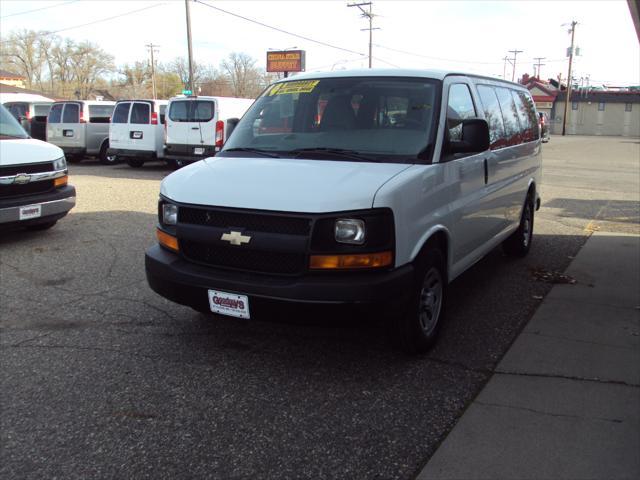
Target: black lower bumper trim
187, 284
125, 152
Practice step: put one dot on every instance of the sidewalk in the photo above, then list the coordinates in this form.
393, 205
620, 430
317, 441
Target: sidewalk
564, 402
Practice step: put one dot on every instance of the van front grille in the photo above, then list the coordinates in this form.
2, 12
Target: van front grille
282, 263
33, 188
11, 170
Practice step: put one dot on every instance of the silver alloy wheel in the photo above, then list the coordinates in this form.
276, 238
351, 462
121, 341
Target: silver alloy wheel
526, 226
430, 301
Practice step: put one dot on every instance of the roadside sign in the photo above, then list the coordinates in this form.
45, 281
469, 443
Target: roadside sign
286, 61
187, 92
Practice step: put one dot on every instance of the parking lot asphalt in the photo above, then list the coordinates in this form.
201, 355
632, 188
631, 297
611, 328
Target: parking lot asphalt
101, 378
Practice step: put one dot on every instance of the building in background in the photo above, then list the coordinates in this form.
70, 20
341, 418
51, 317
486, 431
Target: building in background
11, 79
598, 112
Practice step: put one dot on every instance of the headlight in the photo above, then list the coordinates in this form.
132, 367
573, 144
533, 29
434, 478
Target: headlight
169, 214
60, 164
348, 230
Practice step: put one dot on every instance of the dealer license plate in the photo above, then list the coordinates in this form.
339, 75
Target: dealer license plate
198, 150
30, 211
230, 304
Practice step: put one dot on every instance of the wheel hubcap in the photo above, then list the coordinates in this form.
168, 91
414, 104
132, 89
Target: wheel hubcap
430, 301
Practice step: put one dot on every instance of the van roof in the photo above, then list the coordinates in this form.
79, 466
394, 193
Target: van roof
88, 102
390, 72
159, 102
206, 97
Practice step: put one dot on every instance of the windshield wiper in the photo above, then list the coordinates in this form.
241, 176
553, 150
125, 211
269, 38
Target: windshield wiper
253, 150
339, 152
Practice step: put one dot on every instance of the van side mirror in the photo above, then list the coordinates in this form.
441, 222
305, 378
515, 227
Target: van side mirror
475, 137
232, 123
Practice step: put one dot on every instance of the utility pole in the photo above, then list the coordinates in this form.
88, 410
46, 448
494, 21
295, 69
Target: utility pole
566, 103
539, 59
152, 49
504, 68
369, 15
186, 4
515, 54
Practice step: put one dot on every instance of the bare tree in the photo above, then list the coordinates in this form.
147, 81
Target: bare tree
22, 53
245, 78
136, 78
88, 63
180, 67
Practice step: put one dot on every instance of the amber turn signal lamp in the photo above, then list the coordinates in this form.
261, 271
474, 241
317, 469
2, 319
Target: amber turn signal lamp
362, 260
166, 240
61, 182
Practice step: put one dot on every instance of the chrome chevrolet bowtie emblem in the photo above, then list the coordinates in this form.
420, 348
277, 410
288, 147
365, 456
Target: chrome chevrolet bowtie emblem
22, 178
235, 238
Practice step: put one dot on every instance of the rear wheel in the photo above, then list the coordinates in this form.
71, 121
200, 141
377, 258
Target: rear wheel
416, 331
135, 162
104, 157
519, 243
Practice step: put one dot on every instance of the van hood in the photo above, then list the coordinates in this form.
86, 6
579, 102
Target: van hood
21, 151
286, 185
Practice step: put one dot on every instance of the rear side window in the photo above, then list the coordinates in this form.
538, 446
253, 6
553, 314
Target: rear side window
55, 114
509, 115
140, 113
18, 109
121, 113
71, 113
527, 115
100, 113
41, 110
191, 111
493, 115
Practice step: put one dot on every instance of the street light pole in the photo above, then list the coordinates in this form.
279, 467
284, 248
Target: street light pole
566, 103
186, 4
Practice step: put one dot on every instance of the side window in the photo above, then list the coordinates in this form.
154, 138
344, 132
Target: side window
459, 107
55, 114
100, 113
140, 113
121, 113
530, 111
509, 115
493, 115
71, 113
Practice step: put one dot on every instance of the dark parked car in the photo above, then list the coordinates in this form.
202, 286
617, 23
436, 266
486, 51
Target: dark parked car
544, 127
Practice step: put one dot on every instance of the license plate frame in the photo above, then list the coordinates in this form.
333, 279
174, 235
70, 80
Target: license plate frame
229, 304
28, 212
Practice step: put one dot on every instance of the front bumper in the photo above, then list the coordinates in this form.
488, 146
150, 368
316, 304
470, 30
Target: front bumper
54, 205
187, 283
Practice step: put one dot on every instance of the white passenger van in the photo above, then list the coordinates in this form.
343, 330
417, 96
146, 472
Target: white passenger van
81, 128
197, 127
136, 132
371, 187
34, 189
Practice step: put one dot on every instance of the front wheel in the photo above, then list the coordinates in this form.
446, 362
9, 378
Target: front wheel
519, 243
417, 330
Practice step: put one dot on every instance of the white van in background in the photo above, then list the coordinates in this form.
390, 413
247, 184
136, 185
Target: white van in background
80, 128
197, 127
136, 131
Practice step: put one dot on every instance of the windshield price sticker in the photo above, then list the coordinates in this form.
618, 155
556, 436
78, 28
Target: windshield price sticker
294, 87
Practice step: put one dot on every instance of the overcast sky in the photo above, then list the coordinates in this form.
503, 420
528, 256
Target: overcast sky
468, 36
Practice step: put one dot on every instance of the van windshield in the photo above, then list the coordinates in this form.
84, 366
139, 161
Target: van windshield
388, 119
191, 110
9, 126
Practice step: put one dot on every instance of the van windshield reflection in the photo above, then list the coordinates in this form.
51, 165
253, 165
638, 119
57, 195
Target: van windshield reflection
387, 119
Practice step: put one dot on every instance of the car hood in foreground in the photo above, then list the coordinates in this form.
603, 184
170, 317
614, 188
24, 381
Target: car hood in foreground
22, 151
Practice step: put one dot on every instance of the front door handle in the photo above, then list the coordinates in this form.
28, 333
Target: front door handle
486, 171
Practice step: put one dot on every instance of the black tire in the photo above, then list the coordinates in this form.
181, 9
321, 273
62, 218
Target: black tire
176, 164
42, 226
416, 331
134, 162
519, 243
104, 158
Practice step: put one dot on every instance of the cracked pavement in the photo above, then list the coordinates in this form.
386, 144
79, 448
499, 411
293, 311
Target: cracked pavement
101, 378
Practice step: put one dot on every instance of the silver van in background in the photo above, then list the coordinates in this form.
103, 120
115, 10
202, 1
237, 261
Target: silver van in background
81, 128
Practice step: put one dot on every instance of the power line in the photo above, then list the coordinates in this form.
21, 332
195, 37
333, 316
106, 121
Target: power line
38, 9
279, 29
434, 58
369, 16
515, 55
